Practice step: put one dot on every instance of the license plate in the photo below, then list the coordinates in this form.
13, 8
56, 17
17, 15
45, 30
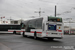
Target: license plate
54, 33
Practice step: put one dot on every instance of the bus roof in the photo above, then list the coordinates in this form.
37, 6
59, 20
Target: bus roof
53, 17
9, 24
33, 18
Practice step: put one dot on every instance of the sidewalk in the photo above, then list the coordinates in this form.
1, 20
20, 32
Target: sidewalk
3, 47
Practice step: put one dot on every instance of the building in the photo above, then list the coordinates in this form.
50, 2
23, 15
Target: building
66, 30
16, 21
4, 22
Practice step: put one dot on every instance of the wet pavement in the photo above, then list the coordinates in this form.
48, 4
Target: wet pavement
17, 42
3, 47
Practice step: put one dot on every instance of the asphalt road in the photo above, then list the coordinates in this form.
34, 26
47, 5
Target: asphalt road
17, 42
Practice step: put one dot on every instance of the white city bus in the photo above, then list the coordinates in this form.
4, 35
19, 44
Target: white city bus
10, 28
44, 27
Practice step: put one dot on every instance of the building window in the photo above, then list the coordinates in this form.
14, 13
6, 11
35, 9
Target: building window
15, 22
11, 21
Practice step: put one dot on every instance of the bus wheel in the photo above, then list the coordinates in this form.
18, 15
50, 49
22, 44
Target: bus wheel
14, 32
24, 34
35, 36
51, 39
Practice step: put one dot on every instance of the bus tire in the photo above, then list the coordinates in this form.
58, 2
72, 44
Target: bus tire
24, 34
51, 39
35, 35
14, 32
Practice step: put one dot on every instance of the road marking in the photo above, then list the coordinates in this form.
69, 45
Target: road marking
3, 47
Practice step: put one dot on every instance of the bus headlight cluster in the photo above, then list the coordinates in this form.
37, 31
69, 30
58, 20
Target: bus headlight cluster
60, 33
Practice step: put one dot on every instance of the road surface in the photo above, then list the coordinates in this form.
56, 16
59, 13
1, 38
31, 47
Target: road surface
17, 42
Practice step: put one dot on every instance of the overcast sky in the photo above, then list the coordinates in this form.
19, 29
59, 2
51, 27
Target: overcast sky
17, 9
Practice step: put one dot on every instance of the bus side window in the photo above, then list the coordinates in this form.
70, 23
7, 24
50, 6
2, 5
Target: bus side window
39, 24
29, 26
11, 27
43, 26
32, 24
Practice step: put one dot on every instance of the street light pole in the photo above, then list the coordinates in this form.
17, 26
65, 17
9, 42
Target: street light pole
55, 10
39, 12
69, 23
69, 27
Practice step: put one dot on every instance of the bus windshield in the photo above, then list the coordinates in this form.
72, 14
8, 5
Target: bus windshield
55, 19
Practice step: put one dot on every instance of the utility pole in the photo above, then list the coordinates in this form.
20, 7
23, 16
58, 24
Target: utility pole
10, 19
39, 12
55, 10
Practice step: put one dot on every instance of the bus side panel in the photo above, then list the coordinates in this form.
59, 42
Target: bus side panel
22, 30
5, 32
29, 34
38, 32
